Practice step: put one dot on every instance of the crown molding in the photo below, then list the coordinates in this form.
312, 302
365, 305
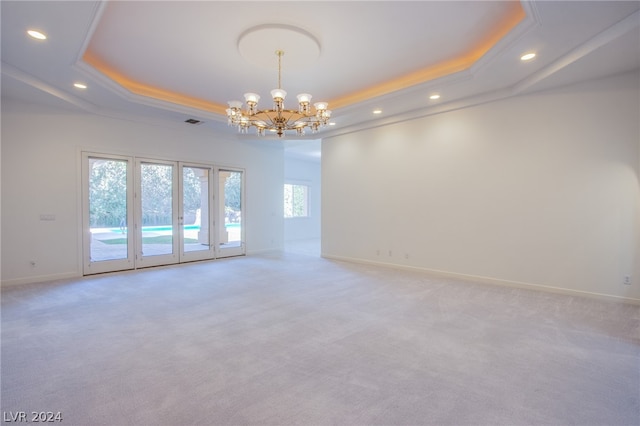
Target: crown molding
607, 36
36, 83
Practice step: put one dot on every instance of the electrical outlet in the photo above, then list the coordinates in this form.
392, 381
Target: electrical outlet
626, 280
389, 253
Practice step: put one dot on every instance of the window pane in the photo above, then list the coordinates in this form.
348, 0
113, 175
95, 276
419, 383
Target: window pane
195, 208
157, 209
108, 209
298, 201
231, 195
288, 200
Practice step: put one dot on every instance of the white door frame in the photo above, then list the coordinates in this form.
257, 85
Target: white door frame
149, 259
91, 266
206, 227
223, 249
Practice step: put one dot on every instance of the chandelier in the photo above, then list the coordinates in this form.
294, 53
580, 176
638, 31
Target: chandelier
278, 119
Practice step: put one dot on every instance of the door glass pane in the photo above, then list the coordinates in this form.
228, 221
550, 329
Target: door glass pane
195, 208
156, 196
231, 193
108, 209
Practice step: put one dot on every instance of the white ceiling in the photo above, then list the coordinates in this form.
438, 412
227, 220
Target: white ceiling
191, 49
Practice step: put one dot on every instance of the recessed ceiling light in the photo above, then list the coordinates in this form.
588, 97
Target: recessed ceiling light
79, 85
37, 35
434, 96
527, 57
332, 124
377, 111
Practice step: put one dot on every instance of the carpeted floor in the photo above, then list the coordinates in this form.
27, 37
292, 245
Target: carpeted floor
293, 339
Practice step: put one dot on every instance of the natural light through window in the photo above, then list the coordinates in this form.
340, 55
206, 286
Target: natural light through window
296, 200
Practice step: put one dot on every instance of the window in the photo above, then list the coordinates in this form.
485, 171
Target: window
296, 200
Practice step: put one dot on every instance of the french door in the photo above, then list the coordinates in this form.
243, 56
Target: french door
196, 216
108, 243
147, 212
230, 229
157, 219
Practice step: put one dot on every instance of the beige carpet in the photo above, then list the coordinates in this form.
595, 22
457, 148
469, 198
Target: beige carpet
294, 339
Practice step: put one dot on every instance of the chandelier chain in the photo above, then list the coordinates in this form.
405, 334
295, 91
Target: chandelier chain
279, 53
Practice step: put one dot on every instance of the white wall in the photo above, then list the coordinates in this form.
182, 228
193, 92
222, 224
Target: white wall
303, 172
41, 175
539, 189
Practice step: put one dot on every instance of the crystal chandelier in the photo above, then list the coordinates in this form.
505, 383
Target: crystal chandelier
278, 119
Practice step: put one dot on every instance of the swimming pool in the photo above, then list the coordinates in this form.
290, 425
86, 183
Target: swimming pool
169, 228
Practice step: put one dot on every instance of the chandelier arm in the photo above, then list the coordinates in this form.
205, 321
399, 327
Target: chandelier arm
292, 115
266, 116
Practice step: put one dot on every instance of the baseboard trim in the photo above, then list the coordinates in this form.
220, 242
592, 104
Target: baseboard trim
71, 275
40, 278
489, 280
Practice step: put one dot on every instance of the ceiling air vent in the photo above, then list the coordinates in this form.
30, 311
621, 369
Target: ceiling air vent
192, 121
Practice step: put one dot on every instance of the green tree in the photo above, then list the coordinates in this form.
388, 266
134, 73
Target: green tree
233, 196
295, 200
191, 194
107, 193
156, 194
